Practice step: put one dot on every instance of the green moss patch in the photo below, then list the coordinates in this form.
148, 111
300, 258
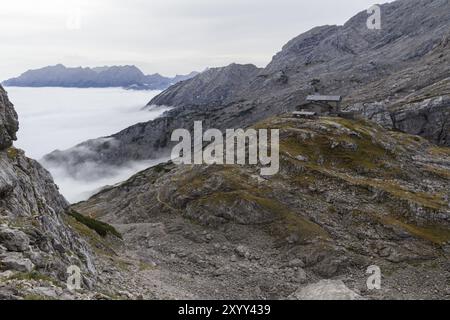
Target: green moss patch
285, 221
34, 275
430, 232
12, 153
342, 151
437, 171
103, 229
32, 297
439, 151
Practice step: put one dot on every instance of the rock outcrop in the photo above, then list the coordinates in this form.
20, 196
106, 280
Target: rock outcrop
425, 113
8, 121
35, 240
429, 118
325, 290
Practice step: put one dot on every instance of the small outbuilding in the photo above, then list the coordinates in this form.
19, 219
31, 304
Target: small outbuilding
322, 105
305, 114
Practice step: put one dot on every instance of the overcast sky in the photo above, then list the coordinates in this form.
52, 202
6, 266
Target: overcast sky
165, 36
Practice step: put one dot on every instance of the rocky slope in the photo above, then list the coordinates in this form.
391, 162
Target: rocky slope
8, 121
39, 240
425, 112
217, 86
368, 67
349, 194
35, 241
116, 76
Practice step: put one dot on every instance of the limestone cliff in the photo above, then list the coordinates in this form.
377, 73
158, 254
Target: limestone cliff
8, 121
35, 239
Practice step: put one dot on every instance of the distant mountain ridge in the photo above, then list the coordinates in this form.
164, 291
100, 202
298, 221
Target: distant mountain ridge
128, 76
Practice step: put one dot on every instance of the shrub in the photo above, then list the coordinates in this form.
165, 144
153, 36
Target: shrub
100, 227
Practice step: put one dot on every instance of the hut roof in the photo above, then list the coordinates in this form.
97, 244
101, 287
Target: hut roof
324, 98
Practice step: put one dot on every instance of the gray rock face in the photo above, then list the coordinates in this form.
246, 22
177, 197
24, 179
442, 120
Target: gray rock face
429, 118
14, 240
32, 213
34, 234
377, 112
29, 185
326, 290
365, 66
8, 121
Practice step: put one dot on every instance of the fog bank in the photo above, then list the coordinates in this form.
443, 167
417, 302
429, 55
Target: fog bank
83, 186
60, 118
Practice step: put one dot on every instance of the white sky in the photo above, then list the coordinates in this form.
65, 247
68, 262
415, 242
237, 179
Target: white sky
165, 36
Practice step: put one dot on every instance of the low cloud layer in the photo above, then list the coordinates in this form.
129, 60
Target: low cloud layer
60, 118
89, 181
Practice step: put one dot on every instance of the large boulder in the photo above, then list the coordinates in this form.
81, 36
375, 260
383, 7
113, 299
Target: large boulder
326, 290
376, 111
17, 262
14, 240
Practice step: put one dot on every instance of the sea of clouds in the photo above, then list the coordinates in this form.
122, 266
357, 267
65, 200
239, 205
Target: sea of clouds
60, 118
